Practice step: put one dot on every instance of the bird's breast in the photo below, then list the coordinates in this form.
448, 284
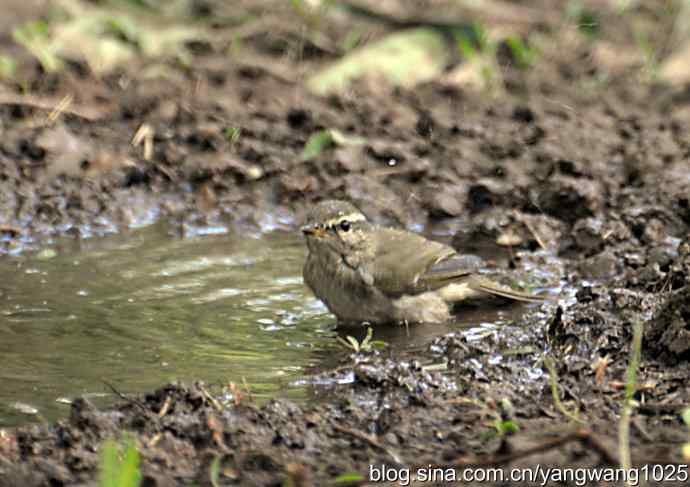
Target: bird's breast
344, 292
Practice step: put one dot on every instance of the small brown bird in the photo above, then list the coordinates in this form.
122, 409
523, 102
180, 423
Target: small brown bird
368, 273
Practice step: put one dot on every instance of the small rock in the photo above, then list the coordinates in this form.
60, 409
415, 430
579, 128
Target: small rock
599, 266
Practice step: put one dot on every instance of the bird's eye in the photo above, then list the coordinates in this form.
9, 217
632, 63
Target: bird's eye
344, 225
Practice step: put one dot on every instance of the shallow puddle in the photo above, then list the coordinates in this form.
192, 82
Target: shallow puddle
145, 308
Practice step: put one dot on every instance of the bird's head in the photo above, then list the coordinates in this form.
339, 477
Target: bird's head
337, 226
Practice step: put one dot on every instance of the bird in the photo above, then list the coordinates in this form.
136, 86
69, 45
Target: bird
368, 273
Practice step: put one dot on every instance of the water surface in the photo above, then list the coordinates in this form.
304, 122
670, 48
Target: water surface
143, 308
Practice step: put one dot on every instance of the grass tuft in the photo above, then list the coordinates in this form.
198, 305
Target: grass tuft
119, 465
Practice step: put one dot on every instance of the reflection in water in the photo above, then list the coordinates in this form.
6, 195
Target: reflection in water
141, 309
468, 318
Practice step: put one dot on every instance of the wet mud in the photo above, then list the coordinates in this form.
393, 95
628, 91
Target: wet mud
559, 167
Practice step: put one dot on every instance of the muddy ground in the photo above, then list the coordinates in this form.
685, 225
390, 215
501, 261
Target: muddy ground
581, 158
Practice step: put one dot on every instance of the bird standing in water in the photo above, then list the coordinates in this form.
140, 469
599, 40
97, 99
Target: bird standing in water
369, 273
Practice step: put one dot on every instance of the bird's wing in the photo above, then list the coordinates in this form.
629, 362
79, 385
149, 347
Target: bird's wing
407, 263
451, 269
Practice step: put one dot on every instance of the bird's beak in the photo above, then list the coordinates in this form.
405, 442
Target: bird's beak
312, 230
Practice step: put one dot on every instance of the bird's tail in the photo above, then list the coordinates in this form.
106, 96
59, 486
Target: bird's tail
485, 285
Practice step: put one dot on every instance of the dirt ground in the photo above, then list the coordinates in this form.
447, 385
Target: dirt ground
582, 158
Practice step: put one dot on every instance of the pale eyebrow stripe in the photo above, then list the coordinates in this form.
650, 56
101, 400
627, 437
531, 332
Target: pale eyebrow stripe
352, 217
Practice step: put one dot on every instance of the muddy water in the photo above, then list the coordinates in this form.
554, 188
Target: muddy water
145, 308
